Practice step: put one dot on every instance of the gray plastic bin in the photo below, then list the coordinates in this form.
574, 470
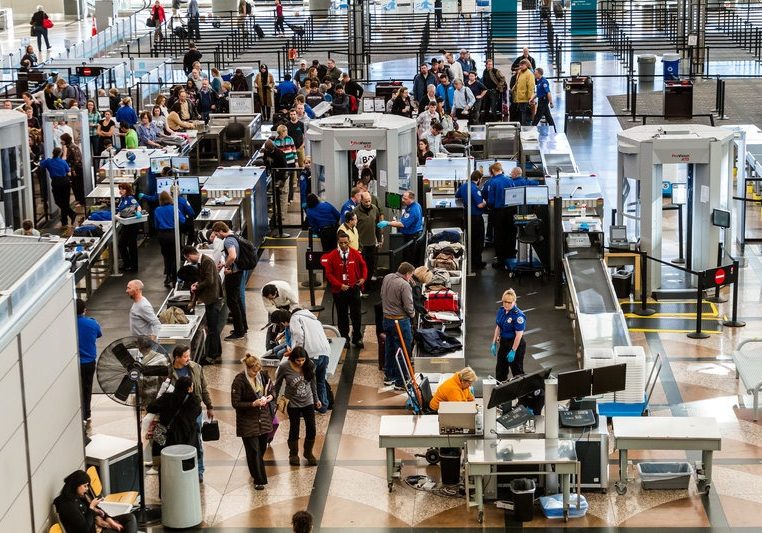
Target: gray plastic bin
665, 475
180, 492
646, 67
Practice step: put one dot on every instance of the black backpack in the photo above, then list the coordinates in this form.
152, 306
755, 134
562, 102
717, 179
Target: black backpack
247, 254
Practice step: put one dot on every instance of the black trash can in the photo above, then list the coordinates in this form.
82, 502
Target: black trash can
449, 464
522, 492
622, 281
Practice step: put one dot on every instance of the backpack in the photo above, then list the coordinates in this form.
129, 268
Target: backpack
247, 254
81, 97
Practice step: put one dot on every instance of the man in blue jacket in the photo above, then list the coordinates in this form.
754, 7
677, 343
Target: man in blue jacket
502, 219
323, 220
88, 330
446, 92
422, 80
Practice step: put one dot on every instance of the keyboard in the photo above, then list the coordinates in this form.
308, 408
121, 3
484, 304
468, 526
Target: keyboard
515, 417
579, 418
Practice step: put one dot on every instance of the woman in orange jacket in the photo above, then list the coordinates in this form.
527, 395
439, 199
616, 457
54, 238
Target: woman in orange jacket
457, 388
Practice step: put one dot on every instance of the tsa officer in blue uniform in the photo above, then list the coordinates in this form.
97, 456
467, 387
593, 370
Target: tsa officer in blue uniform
410, 225
544, 99
502, 216
508, 343
477, 217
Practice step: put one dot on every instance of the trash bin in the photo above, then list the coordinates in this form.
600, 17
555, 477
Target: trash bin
180, 492
646, 67
668, 476
622, 281
449, 464
671, 64
522, 492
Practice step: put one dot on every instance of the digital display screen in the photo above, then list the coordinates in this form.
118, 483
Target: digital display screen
187, 184
618, 234
393, 200
609, 378
160, 163
537, 195
721, 218
181, 164
514, 196
575, 384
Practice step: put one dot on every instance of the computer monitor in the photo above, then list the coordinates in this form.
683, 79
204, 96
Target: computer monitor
393, 200
721, 218
515, 196
537, 195
609, 378
158, 164
518, 387
575, 384
181, 163
187, 184
617, 233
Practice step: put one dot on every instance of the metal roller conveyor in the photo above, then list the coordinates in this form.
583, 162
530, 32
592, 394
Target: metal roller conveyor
599, 319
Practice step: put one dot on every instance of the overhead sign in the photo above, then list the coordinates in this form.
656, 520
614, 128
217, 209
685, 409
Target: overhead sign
717, 277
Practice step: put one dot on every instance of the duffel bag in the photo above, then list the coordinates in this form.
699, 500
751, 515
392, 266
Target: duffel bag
442, 300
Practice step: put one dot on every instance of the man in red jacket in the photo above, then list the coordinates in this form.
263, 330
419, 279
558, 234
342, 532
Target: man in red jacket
346, 272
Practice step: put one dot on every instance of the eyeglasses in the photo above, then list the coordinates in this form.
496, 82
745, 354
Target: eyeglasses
508, 301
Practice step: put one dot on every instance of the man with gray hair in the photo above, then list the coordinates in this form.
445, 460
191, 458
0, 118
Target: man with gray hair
143, 319
524, 55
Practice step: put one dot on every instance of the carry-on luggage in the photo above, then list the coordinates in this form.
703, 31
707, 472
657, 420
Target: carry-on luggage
259, 31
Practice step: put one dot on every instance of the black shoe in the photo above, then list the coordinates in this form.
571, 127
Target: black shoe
358, 344
259, 487
234, 337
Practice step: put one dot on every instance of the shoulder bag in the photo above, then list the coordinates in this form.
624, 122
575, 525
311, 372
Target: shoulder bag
160, 431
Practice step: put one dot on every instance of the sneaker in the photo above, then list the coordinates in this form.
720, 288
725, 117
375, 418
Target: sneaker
398, 387
234, 337
388, 382
358, 344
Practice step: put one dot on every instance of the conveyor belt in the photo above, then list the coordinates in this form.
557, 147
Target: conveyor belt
600, 321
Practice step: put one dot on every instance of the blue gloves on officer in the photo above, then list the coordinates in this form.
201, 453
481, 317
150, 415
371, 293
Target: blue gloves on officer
138, 214
511, 356
493, 349
382, 224
140, 195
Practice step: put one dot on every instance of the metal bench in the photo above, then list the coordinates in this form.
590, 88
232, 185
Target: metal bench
749, 370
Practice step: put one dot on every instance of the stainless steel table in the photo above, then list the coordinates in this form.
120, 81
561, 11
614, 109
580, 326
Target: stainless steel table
413, 431
666, 433
484, 455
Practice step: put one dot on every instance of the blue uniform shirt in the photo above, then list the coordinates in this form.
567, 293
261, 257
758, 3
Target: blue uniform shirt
55, 166
164, 217
126, 201
510, 322
496, 190
88, 330
476, 198
412, 219
322, 215
524, 182
542, 88
185, 208
349, 205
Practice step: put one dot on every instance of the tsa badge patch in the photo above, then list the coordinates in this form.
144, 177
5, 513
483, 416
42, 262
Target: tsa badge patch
520, 320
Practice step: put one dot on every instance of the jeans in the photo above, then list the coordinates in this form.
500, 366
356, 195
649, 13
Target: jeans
128, 521
244, 281
308, 413
349, 306
393, 344
213, 344
42, 33
321, 367
526, 113
86, 373
255, 449
233, 296
200, 445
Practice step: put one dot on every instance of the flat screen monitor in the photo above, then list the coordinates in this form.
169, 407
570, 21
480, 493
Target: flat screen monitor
187, 184
393, 200
160, 163
618, 233
537, 195
518, 387
515, 196
609, 378
575, 384
181, 163
721, 218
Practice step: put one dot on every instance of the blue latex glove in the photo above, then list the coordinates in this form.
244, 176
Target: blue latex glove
140, 195
511, 356
493, 349
382, 224
138, 214
304, 205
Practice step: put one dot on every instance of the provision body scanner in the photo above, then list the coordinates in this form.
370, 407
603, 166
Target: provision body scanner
15, 176
643, 152
332, 142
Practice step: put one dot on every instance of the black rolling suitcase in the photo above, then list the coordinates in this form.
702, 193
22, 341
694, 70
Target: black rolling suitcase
180, 32
259, 31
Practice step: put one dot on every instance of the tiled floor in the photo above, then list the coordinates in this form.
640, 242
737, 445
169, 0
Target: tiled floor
348, 488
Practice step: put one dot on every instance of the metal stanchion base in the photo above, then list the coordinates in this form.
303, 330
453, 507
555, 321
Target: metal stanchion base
316, 308
716, 299
644, 312
314, 283
678, 261
734, 323
149, 516
698, 335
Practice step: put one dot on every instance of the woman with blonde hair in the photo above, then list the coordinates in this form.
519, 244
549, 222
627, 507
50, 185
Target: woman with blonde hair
508, 343
456, 388
252, 398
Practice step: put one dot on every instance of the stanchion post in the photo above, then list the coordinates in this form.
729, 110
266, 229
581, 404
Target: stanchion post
734, 322
698, 334
644, 310
717, 299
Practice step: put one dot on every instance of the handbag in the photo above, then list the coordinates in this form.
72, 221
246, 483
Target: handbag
151, 22
282, 403
47, 23
210, 431
443, 300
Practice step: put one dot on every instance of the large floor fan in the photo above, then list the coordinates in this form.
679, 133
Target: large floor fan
130, 371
